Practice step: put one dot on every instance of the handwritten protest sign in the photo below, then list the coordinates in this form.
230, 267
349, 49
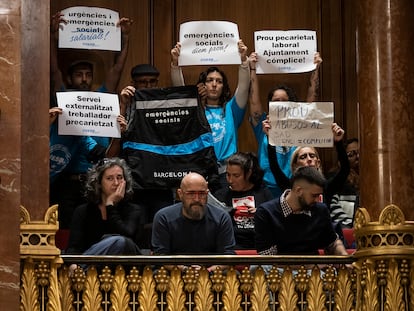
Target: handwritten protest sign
301, 124
289, 51
209, 43
88, 114
90, 28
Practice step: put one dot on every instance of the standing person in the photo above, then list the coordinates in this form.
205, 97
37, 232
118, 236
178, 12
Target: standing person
297, 222
192, 226
80, 73
345, 202
143, 76
246, 191
224, 113
309, 156
257, 115
68, 188
108, 224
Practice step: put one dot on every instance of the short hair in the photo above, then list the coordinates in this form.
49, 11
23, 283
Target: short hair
248, 162
225, 94
289, 91
144, 70
310, 174
350, 141
93, 187
79, 63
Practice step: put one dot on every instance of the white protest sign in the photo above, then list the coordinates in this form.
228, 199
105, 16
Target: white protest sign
209, 43
90, 28
88, 114
301, 124
289, 51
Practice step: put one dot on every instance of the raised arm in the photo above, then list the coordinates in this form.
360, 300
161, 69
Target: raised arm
242, 91
255, 106
282, 180
114, 148
335, 183
177, 78
55, 72
313, 90
114, 74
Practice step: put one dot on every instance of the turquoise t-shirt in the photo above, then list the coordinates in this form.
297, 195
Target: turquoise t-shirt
283, 155
224, 124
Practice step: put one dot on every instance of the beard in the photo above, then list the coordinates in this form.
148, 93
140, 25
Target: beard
303, 205
195, 210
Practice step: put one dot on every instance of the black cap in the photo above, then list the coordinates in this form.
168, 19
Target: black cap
144, 70
81, 62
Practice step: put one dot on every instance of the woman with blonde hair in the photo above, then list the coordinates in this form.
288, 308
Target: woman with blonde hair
309, 156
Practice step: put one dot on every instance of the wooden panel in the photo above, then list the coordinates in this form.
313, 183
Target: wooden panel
139, 49
297, 14
156, 26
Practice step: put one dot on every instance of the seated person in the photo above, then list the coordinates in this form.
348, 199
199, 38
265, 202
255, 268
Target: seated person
246, 191
192, 226
108, 224
309, 156
297, 222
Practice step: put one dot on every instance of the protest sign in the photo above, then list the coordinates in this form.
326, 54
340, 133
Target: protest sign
209, 43
88, 114
289, 51
301, 124
90, 28
168, 138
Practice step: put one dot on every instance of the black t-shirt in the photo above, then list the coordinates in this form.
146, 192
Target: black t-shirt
243, 221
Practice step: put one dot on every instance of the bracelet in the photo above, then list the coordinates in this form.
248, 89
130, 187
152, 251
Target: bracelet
252, 69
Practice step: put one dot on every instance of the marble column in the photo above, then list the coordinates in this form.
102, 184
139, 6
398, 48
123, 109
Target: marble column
24, 102
10, 153
385, 37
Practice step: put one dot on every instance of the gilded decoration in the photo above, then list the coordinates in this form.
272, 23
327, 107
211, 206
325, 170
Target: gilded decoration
377, 277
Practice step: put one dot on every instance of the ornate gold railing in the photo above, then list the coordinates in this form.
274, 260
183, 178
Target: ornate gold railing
142, 283
381, 277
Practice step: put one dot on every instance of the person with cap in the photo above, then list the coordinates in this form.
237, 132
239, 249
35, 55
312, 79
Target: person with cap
143, 76
67, 188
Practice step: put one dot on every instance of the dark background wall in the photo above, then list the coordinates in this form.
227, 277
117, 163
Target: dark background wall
155, 31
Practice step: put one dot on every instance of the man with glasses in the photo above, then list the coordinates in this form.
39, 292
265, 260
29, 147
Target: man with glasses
192, 226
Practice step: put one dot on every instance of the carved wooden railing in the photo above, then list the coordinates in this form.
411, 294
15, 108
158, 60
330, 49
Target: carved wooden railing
381, 277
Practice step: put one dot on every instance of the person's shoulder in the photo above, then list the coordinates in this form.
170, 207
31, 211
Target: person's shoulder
221, 193
216, 212
170, 209
321, 209
271, 203
270, 206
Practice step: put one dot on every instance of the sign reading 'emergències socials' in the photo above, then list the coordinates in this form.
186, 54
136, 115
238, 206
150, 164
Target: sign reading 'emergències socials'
88, 114
301, 124
289, 51
90, 28
209, 43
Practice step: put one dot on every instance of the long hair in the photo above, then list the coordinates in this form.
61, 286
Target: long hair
93, 187
295, 155
225, 94
290, 93
248, 163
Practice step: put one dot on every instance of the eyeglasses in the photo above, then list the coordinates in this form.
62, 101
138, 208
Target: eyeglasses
142, 82
194, 194
352, 153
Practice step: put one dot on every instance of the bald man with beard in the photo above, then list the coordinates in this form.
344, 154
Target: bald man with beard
192, 226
